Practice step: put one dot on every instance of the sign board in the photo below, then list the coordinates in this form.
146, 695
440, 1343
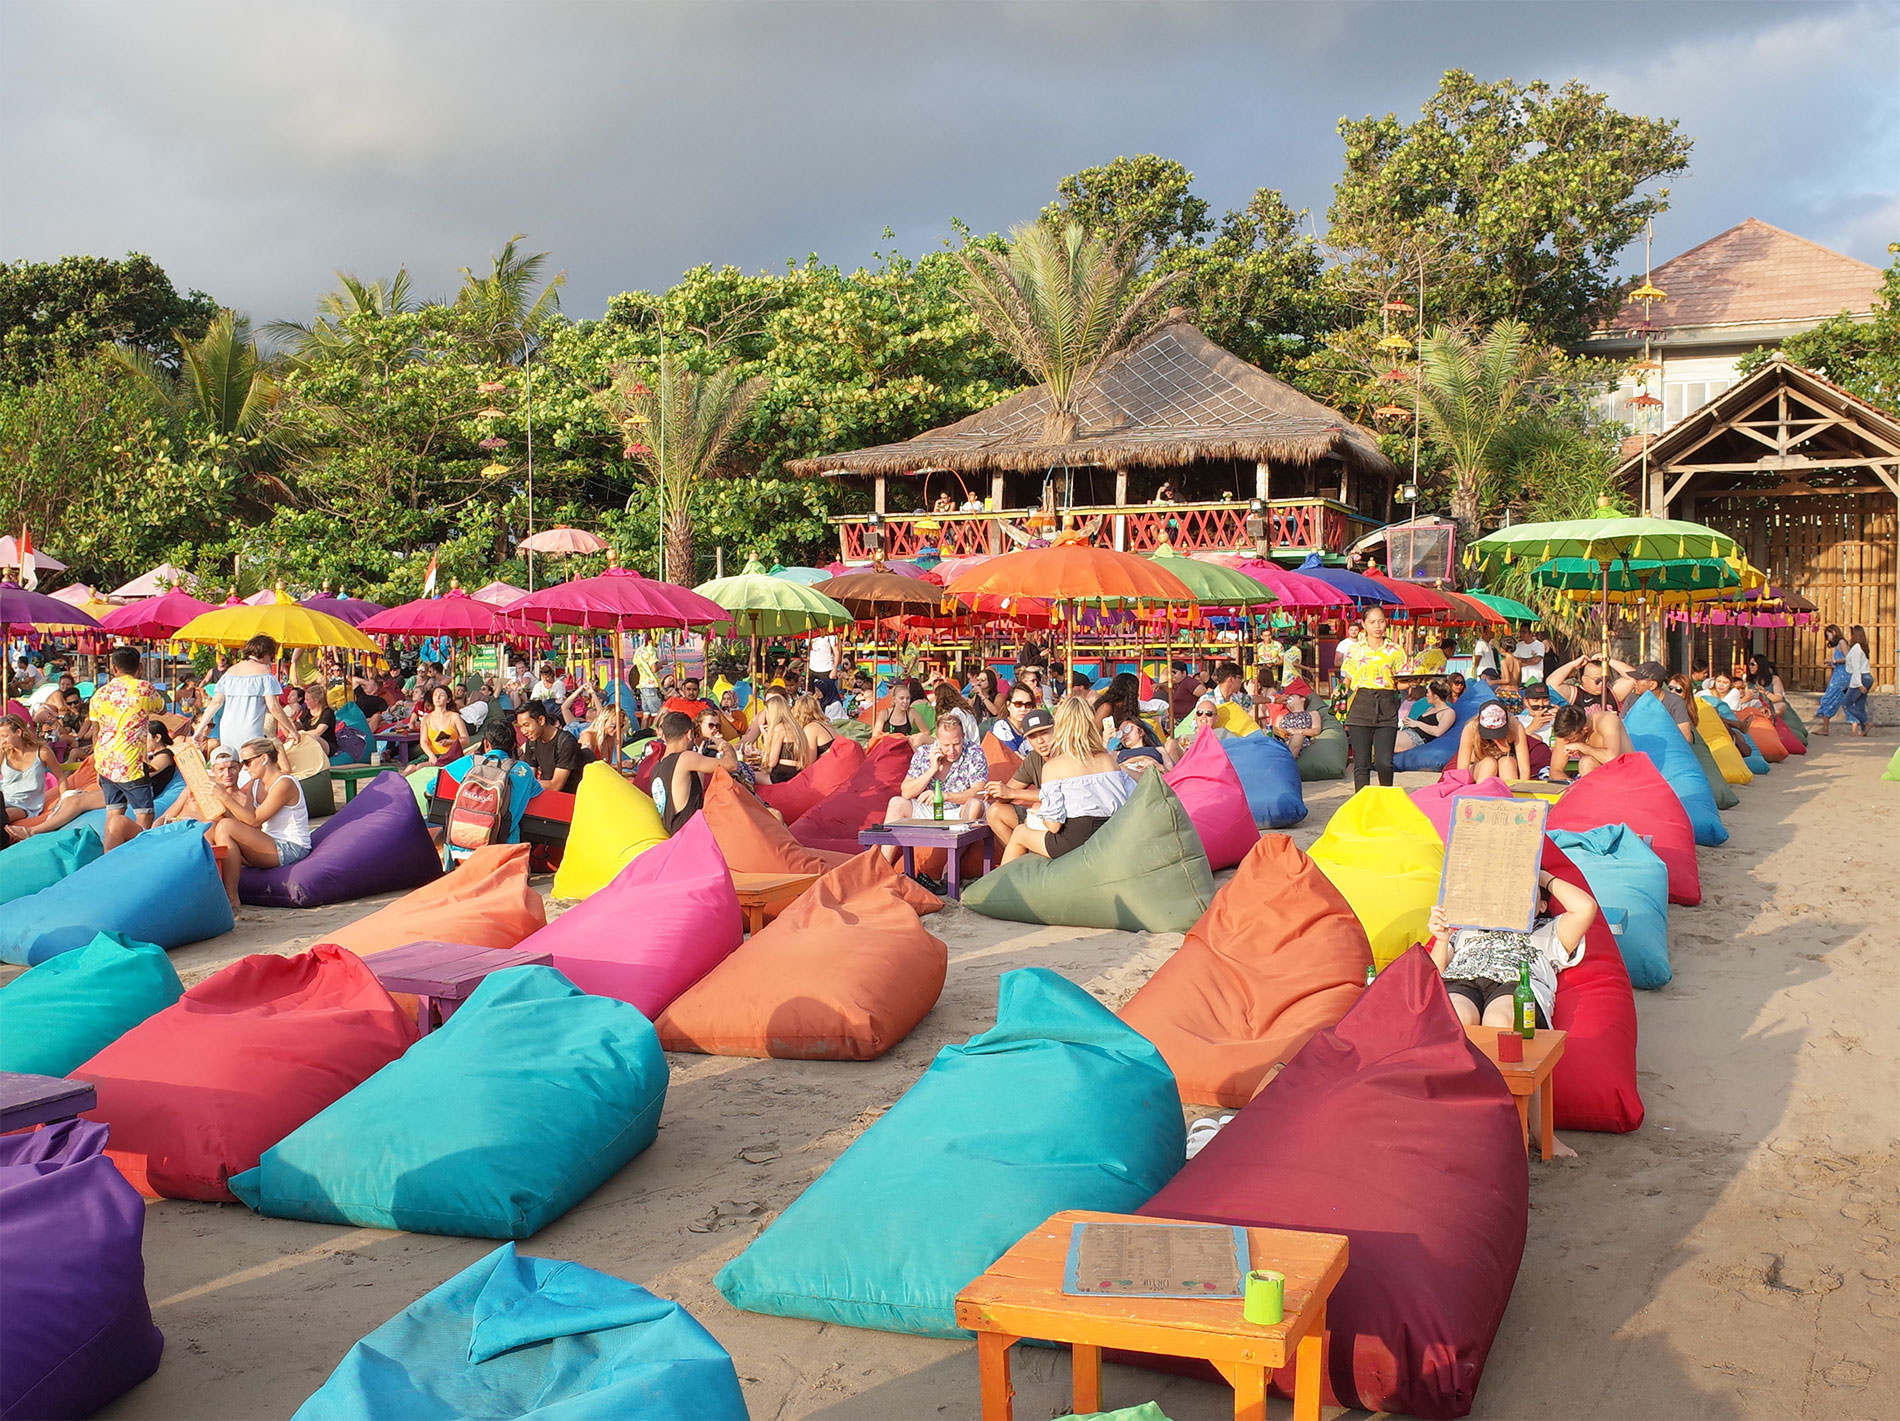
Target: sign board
1492, 856
1156, 1261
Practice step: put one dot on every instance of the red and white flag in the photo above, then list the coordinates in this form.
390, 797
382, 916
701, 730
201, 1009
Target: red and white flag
29, 565
428, 581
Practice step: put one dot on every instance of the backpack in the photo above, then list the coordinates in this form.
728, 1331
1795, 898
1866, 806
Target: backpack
479, 814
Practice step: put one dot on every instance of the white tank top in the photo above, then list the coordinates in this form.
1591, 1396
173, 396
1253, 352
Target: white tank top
291, 824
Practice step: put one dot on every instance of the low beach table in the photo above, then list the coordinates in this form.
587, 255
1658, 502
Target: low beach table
759, 893
948, 834
440, 974
1021, 1296
1528, 1077
354, 775
41, 1100
404, 741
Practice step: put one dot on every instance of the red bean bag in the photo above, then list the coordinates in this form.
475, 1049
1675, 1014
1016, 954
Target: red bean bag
1595, 1083
198, 1092
1003, 761
843, 974
1392, 1129
1631, 790
485, 902
817, 782
666, 920
1790, 742
1210, 790
858, 804
1434, 800
1277, 957
1766, 734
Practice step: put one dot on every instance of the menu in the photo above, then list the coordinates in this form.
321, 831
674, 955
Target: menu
1492, 856
1156, 1261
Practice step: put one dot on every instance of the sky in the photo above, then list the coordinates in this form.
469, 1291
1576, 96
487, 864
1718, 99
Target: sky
254, 150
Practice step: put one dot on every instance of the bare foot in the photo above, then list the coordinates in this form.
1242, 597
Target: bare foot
1559, 1150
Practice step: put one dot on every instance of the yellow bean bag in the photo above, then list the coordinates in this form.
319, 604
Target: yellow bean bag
1721, 744
1235, 721
1385, 858
614, 824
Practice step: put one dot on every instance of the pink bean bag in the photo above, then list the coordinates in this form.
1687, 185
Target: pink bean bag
1209, 789
1434, 800
859, 804
1631, 790
667, 919
1595, 1082
817, 782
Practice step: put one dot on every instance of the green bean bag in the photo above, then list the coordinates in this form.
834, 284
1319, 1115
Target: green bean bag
1892, 771
44, 859
853, 729
1724, 792
71, 1007
1324, 756
1143, 871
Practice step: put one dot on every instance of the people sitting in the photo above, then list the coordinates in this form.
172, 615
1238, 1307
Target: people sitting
783, 748
25, 762
1010, 731
265, 823
1651, 678
1298, 723
222, 765
1494, 743
903, 717
1009, 800
679, 779
1588, 740
1480, 966
557, 757
1082, 786
810, 717
605, 733
1538, 713
687, 700
950, 762
444, 732
947, 700
1125, 734
1591, 691
1427, 718
1200, 719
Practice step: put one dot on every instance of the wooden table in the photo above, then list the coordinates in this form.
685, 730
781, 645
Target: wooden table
40, 1100
404, 741
354, 775
761, 892
1021, 1296
947, 834
440, 974
1528, 1077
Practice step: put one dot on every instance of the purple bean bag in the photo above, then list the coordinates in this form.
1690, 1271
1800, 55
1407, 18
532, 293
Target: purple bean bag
78, 1330
377, 843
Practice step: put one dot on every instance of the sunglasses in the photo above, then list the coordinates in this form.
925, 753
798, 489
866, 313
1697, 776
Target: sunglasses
1203, 715
1023, 704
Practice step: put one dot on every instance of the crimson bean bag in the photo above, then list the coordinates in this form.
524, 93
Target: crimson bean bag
197, 1092
860, 803
817, 782
485, 902
1791, 740
1766, 735
1434, 800
666, 920
1277, 957
1595, 1083
1629, 790
377, 843
78, 1329
1392, 1129
1210, 789
843, 974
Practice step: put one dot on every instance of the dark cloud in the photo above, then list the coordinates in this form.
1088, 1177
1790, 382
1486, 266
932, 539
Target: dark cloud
253, 149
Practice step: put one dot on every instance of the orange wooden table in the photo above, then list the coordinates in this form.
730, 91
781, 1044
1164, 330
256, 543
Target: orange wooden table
1021, 1296
1526, 1078
761, 891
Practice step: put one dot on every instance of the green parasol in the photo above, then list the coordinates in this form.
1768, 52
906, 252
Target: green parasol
1509, 607
1213, 584
766, 606
1640, 577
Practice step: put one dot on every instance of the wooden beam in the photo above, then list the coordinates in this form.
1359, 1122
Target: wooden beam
1121, 501
1771, 465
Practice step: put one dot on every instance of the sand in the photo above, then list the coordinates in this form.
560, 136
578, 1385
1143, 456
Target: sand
1735, 1257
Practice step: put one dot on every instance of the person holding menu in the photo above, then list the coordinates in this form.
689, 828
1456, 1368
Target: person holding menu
1480, 965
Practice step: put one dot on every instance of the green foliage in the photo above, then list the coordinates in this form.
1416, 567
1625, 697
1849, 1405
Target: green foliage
1144, 204
77, 304
502, 305
325, 337
1861, 356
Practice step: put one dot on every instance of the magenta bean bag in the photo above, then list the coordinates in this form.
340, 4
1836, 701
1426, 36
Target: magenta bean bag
1631, 790
834, 823
1596, 1080
1209, 788
1434, 800
377, 843
666, 920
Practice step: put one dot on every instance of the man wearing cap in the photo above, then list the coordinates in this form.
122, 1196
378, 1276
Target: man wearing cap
1005, 804
1650, 678
1493, 743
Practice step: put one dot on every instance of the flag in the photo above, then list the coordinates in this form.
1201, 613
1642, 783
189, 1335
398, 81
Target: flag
428, 581
29, 565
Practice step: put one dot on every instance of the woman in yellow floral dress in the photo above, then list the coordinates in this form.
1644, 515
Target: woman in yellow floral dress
1371, 673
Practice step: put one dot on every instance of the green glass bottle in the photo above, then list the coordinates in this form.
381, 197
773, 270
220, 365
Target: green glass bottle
1524, 1003
1372, 970
936, 800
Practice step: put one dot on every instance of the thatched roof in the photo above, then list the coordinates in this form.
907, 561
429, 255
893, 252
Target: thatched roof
1176, 398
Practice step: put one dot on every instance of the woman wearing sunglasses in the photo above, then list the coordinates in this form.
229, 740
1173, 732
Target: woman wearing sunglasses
265, 822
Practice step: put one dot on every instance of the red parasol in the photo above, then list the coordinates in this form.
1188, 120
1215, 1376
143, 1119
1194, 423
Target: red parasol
1471, 612
455, 614
1415, 603
154, 618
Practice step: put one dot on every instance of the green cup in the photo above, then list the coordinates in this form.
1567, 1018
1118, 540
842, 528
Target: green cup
1264, 1301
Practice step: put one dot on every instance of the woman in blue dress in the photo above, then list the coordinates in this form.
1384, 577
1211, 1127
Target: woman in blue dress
1836, 676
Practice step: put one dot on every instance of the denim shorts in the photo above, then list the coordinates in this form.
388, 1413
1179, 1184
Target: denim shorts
289, 853
135, 795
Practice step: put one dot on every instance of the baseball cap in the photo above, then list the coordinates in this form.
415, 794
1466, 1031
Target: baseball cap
1493, 721
223, 752
1038, 720
1651, 671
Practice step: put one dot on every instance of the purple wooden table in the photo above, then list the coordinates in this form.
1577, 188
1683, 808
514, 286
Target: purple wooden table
949, 834
40, 1100
404, 741
440, 974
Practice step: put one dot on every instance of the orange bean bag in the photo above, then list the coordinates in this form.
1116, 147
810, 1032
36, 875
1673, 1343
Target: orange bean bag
858, 804
1762, 730
196, 1093
1279, 956
844, 974
817, 782
1003, 761
486, 902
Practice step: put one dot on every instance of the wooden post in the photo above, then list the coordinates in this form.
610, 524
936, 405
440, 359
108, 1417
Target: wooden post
877, 494
996, 506
1121, 502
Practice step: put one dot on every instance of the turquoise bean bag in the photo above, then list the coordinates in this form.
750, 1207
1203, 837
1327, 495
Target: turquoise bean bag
1719, 787
44, 859
161, 887
532, 1337
1654, 733
1271, 777
492, 1126
73, 1006
1058, 1106
1438, 752
1624, 872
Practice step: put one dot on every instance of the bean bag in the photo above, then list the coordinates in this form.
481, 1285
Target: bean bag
319, 795
44, 859
1630, 790
197, 1092
1761, 729
1003, 761
1713, 731
1058, 1106
1271, 775
1411, 1322
1892, 772
1440, 750
1235, 721
1142, 871
378, 843
70, 1007
160, 887
552, 1091
614, 823
1278, 956
1595, 1087
817, 782
1790, 742
1791, 718
1654, 734
533, 1337
855, 731
843, 974
859, 803
1212, 792
1719, 788
1324, 756
1744, 744
665, 920
1385, 858
485, 902
1434, 800
1624, 872
78, 1330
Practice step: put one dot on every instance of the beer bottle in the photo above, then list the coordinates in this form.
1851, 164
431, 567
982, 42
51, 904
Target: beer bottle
1372, 970
1524, 1003
936, 800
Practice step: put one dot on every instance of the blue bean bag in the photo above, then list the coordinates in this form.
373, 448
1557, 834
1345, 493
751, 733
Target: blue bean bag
1624, 872
1271, 777
1438, 752
494, 1125
1059, 1106
161, 887
1653, 732
533, 1337
378, 843
73, 1006
44, 859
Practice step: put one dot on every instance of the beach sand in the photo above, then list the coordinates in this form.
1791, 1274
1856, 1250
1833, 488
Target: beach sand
1734, 1257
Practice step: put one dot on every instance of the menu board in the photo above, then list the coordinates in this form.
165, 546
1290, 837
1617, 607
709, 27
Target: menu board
1156, 1261
1492, 856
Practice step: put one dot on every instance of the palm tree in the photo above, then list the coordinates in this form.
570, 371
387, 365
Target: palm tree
1061, 300
1472, 400
328, 334
503, 301
679, 433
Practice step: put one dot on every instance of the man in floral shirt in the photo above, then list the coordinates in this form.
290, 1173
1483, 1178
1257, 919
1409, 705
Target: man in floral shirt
120, 709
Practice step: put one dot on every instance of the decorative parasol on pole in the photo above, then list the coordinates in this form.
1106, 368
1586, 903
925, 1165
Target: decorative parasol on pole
762, 605
23, 611
354, 610
871, 596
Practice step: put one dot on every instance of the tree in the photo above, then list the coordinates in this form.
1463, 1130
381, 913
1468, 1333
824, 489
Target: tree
1515, 198
77, 304
1061, 301
1861, 356
1143, 204
1471, 400
327, 336
503, 301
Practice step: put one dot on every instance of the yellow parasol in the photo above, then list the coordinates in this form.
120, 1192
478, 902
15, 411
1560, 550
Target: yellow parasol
286, 623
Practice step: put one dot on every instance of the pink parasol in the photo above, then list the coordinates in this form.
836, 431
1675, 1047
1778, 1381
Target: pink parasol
74, 595
10, 556
154, 618
560, 541
455, 614
499, 594
1296, 592
619, 599
150, 584
354, 610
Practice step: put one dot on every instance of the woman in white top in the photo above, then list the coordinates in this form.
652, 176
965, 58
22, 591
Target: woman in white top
248, 695
1082, 785
1860, 679
265, 823
25, 762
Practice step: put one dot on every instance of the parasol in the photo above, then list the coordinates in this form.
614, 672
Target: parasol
882, 593
1294, 591
618, 599
354, 610
1214, 584
75, 594
807, 575
1074, 571
1509, 607
455, 614
24, 611
559, 542
155, 618
10, 556
903, 567
151, 584
762, 605
1356, 585
499, 594
287, 624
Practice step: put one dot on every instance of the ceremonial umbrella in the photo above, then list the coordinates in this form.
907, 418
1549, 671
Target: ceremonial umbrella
75, 594
1413, 601
287, 624
24, 611
499, 594
154, 618
559, 542
1356, 585
354, 610
806, 575
455, 614
1214, 584
763, 605
10, 556
879, 593
150, 584
1294, 591
1509, 607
